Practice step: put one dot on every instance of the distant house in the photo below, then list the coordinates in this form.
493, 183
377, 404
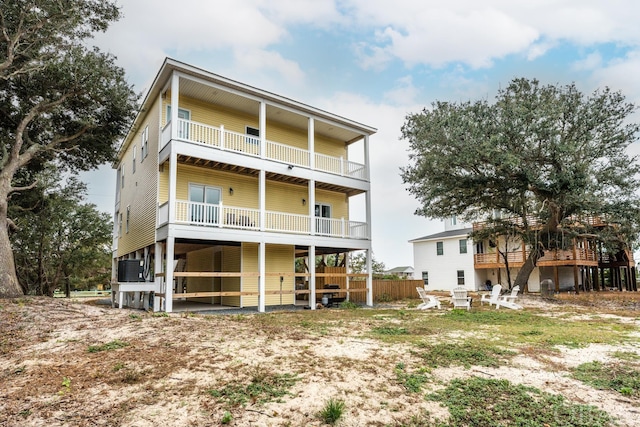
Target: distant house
405, 272
450, 258
445, 260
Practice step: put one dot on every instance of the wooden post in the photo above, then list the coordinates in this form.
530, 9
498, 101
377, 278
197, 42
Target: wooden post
556, 278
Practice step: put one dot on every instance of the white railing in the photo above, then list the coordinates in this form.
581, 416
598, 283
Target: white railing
234, 141
287, 154
249, 219
197, 213
163, 213
246, 144
241, 217
286, 222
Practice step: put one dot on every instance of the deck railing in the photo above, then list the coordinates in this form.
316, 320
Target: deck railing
220, 138
217, 215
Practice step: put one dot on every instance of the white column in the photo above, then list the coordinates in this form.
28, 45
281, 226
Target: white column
368, 213
175, 92
312, 144
261, 278
369, 278
168, 293
262, 120
312, 279
173, 182
312, 209
157, 269
347, 265
366, 157
262, 189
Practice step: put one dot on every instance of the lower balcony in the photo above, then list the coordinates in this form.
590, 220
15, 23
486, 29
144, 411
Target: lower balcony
217, 215
579, 256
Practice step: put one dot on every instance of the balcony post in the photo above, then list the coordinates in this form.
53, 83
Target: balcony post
312, 144
173, 179
262, 186
312, 279
157, 269
168, 274
262, 126
175, 92
261, 278
222, 138
312, 207
369, 278
366, 158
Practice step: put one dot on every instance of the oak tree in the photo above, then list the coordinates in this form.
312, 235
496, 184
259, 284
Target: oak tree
537, 164
61, 102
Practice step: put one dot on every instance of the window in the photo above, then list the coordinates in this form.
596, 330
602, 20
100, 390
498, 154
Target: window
425, 278
204, 203
253, 135
463, 246
144, 144
135, 150
120, 224
323, 218
128, 218
454, 220
122, 175
440, 248
460, 277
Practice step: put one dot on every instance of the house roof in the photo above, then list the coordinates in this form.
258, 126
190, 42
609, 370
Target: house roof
444, 235
403, 269
346, 129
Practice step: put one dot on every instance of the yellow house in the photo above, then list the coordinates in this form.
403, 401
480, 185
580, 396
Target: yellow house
221, 186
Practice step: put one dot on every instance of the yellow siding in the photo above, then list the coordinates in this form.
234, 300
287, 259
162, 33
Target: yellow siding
231, 262
286, 198
250, 265
278, 259
163, 184
140, 189
202, 260
337, 201
236, 121
245, 188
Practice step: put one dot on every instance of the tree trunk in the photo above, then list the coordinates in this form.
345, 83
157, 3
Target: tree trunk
9, 286
523, 275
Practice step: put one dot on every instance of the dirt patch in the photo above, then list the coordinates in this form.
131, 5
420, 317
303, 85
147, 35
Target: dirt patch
146, 370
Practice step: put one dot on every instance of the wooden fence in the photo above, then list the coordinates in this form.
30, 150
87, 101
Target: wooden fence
385, 290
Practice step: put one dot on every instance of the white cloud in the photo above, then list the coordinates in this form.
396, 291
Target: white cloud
589, 62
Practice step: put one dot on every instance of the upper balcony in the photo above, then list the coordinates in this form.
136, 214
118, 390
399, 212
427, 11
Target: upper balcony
219, 138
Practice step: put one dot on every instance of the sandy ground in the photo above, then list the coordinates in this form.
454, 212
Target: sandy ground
164, 373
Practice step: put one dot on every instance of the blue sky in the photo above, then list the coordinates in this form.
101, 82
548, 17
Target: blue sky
375, 61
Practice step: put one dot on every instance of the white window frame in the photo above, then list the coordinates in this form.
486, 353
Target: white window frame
466, 246
144, 143
439, 248
128, 218
460, 276
133, 165
425, 278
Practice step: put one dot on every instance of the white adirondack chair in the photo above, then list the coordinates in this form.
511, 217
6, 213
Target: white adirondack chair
509, 300
428, 301
460, 298
491, 298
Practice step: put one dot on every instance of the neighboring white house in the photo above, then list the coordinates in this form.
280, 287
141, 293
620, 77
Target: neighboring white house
405, 271
444, 260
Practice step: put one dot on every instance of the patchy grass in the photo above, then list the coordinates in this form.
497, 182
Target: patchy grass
332, 411
113, 345
466, 354
623, 378
482, 402
262, 388
411, 381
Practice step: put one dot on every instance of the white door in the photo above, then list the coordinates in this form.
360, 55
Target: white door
205, 203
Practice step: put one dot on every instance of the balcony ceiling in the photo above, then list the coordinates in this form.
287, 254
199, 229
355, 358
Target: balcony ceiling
275, 113
271, 176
